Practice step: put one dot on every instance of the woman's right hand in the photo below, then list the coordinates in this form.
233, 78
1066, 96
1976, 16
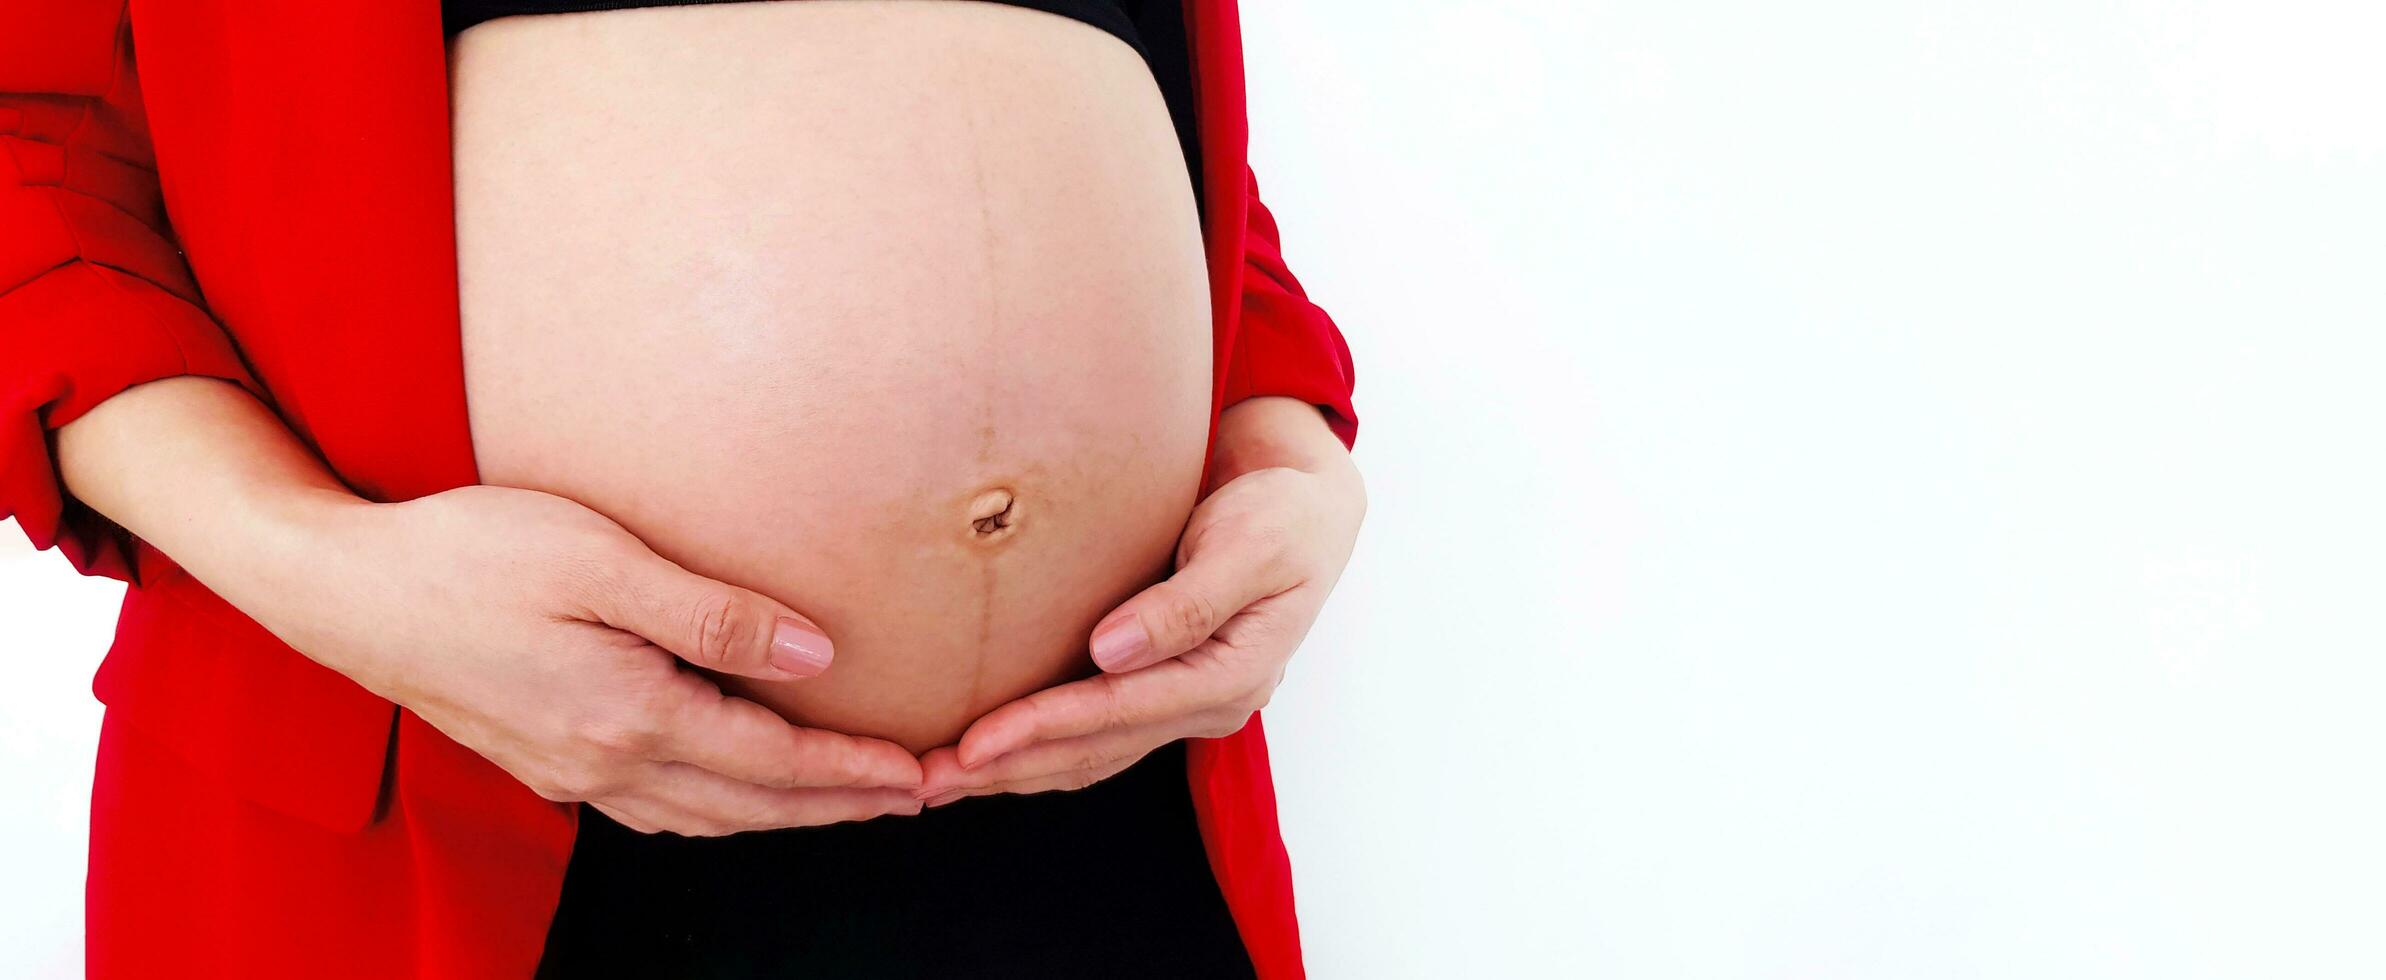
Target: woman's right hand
524, 625
549, 639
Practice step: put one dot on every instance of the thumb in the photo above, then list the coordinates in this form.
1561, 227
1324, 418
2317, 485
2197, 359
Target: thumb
720, 626
1176, 615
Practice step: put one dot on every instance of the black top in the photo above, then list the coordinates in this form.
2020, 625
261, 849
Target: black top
1154, 28
1109, 15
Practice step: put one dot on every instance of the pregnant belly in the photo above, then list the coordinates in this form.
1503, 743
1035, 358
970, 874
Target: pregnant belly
893, 311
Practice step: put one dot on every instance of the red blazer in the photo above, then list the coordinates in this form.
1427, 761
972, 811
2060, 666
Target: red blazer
259, 190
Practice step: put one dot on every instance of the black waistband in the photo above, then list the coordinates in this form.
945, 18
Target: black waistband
1108, 881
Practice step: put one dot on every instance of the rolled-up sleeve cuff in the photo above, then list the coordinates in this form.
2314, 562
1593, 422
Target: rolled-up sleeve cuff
1287, 346
70, 338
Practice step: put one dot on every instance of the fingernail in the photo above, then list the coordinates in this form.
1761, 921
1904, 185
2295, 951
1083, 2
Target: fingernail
799, 648
1120, 642
984, 753
945, 797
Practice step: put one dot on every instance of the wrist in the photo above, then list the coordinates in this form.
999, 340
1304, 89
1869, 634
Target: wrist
299, 542
302, 524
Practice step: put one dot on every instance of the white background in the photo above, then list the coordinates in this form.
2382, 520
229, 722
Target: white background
1860, 489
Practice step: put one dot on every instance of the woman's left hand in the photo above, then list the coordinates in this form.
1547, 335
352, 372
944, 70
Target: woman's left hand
1197, 654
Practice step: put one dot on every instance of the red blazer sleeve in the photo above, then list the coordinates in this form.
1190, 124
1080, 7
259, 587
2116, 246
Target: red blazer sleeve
1285, 344
95, 296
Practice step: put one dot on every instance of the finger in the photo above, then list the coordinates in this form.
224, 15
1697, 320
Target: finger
714, 804
745, 741
1069, 764
1225, 571
1168, 689
715, 625
652, 814
1058, 782
942, 771
627, 816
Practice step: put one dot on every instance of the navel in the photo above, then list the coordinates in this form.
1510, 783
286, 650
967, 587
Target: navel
994, 514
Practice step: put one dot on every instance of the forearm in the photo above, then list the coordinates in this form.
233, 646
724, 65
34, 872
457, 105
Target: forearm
201, 469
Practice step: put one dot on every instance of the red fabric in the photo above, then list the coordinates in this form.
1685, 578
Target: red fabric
1285, 344
258, 815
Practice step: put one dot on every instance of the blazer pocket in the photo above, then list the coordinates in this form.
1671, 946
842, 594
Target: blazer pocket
241, 705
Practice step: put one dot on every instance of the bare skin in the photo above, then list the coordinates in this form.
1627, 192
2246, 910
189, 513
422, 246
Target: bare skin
939, 271
201, 470
1193, 656
531, 629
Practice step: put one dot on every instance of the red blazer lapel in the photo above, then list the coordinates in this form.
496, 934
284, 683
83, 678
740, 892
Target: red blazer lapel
304, 149
303, 154
1234, 797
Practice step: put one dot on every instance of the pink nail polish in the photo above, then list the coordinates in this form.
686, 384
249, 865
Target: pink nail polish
972, 754
1120, 642
799, 648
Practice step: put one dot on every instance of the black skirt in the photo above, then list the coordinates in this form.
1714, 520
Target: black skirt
1108, 881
